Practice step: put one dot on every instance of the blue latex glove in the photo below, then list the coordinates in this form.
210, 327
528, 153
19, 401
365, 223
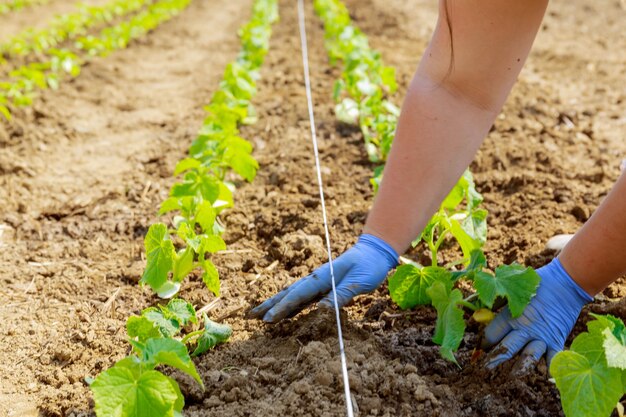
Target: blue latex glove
359, 270
545, 324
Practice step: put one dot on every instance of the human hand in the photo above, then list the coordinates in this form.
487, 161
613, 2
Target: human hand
545, 323
359, 270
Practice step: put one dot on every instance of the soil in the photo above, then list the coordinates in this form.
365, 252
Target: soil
83, 171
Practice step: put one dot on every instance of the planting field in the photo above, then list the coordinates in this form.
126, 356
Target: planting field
84, 169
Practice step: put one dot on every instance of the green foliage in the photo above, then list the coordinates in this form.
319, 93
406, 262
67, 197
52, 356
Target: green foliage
460, 217
161, 321
409, 284
413, 285
514, 282
450, 325
213, 334
133, 388
591, 376
360, 94
204, 192
66, 27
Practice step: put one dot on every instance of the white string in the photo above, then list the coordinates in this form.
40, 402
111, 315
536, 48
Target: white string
307, 83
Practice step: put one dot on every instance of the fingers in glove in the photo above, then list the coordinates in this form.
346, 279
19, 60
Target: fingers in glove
260, 310
550, 355
308, 290
529, 357
497, 329
346, 291
510, 345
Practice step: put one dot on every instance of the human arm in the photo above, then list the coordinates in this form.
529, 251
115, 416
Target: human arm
589, 262
448, 110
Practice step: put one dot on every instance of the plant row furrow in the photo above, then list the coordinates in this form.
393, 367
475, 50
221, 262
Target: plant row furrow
67, 27
133, 385
20, 89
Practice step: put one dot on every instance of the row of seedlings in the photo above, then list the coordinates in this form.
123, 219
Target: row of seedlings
161, 335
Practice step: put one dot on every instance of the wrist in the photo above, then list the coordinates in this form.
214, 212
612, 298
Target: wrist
567, 286
381, 246
369, 230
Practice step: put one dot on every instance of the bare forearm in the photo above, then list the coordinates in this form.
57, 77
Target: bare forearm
596, 256
450, 107
437, 137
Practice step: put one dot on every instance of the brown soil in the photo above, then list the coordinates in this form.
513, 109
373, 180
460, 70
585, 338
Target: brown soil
83, 172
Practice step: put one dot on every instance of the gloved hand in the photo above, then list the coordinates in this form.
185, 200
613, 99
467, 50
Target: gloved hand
545, 324
359, 270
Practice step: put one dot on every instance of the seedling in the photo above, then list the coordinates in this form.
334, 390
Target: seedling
591, 376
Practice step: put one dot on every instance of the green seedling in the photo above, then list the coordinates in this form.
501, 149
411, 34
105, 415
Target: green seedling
591, 375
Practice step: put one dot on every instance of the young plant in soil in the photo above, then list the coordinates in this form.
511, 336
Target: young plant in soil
47, 72
591, 376
411, 285
133, 387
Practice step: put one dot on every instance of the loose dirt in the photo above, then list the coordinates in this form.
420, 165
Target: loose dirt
83, 172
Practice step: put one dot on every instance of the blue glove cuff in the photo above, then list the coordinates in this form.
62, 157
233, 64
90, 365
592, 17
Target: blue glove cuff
567, 282
381, 246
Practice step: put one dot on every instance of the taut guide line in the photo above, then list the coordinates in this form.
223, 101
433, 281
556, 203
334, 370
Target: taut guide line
307, 83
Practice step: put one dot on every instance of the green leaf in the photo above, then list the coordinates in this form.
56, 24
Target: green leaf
475, 225
126, 392
197, 183
588, 388
170, 352
168, 289
409, 283
211, 276
168, 326
211, 244
388, 76
205, 216
615, 351
455, 197
467, 242
214, 333
476, 264
242, 163
515, 282
183, 264
180, 400
224, 198
4, 110
615, 324
171, 204
450, 325
180, 310
347, 111
160, 253
142, 328
185, 165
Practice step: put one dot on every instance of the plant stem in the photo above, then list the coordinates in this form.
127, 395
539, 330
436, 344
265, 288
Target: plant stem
468, 305
434, 249
471, 297
191, 335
